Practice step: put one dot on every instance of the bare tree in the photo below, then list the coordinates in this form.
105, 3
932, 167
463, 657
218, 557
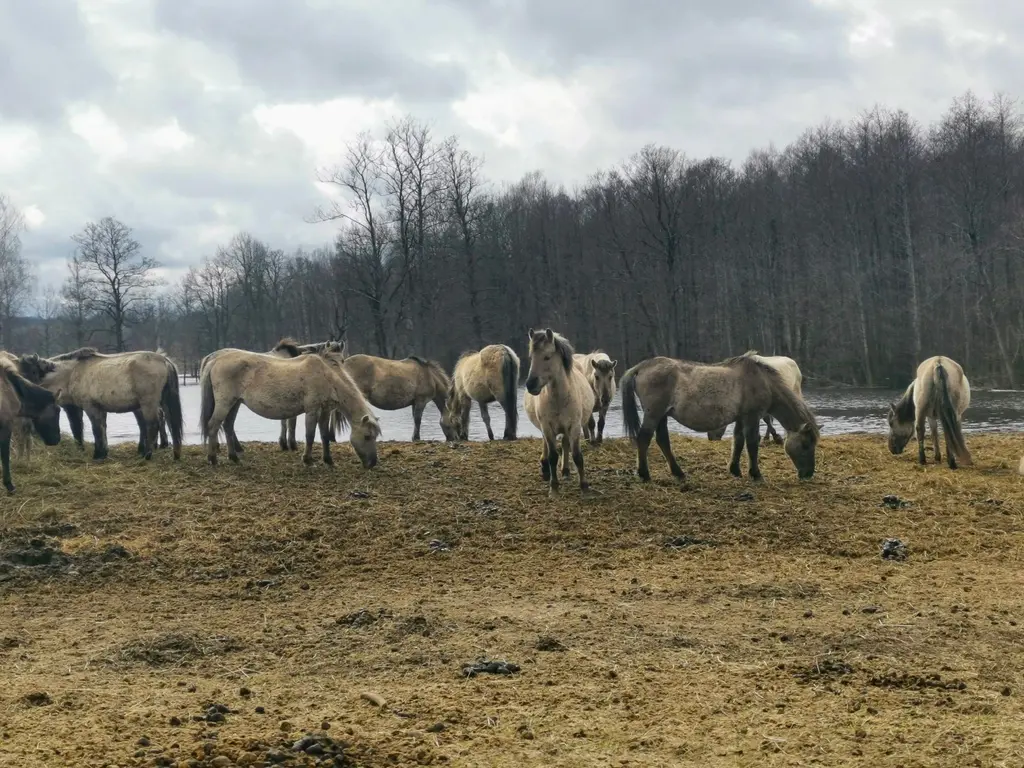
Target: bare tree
75, 302
15, 275
115, 273
48, 308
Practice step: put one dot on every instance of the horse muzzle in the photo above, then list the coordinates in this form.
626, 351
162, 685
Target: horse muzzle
533, 386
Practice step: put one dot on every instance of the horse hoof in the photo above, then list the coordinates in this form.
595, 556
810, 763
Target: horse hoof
307, 460
283, 445
233, 458
735, 471
10, 488
212, 460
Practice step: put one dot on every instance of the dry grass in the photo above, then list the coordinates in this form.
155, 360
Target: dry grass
180, 613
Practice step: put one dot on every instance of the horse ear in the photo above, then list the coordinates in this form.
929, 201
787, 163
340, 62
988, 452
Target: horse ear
366, 418
593, 364
805, 429
614, 363
530, 332
548, 334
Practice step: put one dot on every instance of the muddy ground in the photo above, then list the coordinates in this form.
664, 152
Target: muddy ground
274, 614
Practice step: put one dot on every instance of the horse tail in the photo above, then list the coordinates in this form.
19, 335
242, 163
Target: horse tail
170, 399
207, 403
289, 346
949, 418
630, 413
510, 382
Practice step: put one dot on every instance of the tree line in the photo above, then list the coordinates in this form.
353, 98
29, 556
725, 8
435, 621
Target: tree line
859, 249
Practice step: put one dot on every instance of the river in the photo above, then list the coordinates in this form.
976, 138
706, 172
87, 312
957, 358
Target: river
839, 411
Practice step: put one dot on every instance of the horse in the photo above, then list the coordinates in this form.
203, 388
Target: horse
97, 384
22, 429
21, 399
704, 397
486, 376
939, 391
282, 388
558, 401
394, 384
288, 347
600, 372
793, 377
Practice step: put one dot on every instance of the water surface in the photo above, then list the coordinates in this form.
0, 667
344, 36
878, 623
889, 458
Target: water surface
839, 411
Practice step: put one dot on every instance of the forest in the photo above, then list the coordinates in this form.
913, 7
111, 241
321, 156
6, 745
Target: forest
859, 249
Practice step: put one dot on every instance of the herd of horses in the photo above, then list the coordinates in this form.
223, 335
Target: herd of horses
567, 398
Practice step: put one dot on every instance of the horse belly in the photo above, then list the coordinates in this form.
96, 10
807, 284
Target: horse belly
391, 395
275, 404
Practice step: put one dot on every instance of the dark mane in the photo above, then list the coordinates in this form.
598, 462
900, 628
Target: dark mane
37, 397
34, 368
83, 353
418, 359
904, 407
288, 345
565, 350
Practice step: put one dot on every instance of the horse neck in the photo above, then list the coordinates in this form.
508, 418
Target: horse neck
61, 377
561, 383
790, 410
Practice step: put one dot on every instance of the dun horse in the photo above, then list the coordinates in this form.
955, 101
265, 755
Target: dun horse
940, 391
558, 401
20, 398
706, 397
394, 384
21, 431
600, 372
793, 377
282, 388
97, 384
487, 376
288, 347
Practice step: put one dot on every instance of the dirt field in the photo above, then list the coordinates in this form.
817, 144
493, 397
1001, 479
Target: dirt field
169, 614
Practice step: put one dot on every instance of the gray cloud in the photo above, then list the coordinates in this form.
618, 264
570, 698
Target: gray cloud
303, 53
45, 59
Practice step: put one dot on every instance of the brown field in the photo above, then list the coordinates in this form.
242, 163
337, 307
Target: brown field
162, 614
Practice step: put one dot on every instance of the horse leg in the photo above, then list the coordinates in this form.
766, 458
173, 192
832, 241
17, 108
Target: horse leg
589, 430
282, 441
325, 435
935, 439
737, 448
162, 422
221, 411
600, 424
98, 420
142, 431
467, 406
661, 435
643, 445
950, 453
418, 407
752, 432
552, 450
5, 457
545, 467
577, 458
312, 420
919, 427
566, 453
486, 416
230, 437
770, 435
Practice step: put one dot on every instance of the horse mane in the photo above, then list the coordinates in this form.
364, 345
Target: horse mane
746, 357
83, 353
289, 345
25, 390
781, 393
33, 367
904, 407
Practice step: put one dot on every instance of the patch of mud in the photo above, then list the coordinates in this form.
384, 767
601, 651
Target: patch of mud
685, 541
44, 556
172, 649
825, 669
912, 682
364, 617
799, 590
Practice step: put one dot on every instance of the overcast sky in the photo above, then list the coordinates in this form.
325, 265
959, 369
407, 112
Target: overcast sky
193, 119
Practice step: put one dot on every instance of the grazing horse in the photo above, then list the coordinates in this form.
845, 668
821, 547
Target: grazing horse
487, 376
288, 347
705, 397
793, 377
97, 384
940, 391
394, 384
558, 401
22, 429
20, 398
600, 372
282, 388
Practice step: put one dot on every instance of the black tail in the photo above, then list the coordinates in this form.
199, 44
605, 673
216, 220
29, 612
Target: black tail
510, 381
76, 422
170, 399
207, 404
950, 420
630, 413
